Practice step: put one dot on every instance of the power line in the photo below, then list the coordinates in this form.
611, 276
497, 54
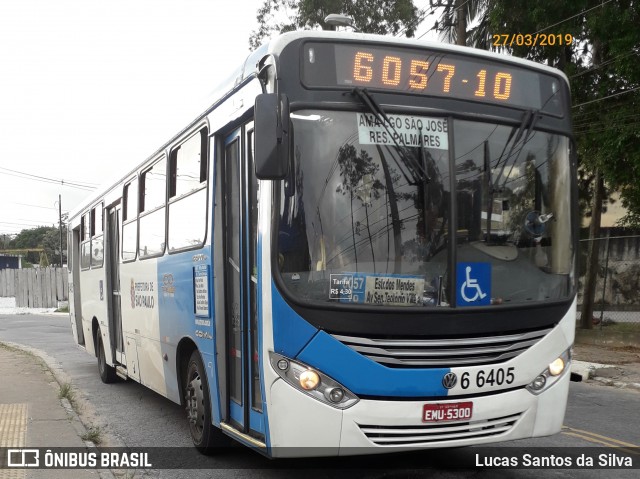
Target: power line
607, 127
572, 17
460, 7
592, 115
34, 206
44, 179
78, 183
422, 14
36, 223
597, 115
428, 31
595, 122
606, 97
73, 184
603, 64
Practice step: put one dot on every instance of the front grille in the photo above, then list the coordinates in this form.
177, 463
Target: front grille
414, 353
421, 435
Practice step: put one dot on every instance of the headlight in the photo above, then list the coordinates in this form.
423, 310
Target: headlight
557, 367
312, 382
309, 380
551, 374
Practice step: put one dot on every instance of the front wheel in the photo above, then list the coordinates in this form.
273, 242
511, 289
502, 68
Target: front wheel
107, 373
205, 436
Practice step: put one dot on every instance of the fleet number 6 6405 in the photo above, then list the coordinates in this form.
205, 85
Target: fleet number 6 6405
488, 377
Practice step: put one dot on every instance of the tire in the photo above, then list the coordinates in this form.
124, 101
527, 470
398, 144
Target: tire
107, 373
205, 436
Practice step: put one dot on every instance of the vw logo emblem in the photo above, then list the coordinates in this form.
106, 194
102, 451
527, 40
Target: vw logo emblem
449, 380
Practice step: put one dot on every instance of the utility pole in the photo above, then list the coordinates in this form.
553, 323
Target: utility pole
60, 225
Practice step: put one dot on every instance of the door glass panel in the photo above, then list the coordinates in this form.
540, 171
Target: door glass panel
114, 264
256, 398
234, 312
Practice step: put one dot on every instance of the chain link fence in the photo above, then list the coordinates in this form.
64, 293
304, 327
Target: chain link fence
617, 293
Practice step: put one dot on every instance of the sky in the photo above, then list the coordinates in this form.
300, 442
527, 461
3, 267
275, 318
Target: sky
89, 89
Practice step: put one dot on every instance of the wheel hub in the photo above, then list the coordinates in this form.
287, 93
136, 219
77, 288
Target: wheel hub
195, 402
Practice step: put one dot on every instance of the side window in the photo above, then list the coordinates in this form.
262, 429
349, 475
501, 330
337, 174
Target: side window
129, 220
85, 238
97, 243
188, 193
153, 183
189, 165
153, 186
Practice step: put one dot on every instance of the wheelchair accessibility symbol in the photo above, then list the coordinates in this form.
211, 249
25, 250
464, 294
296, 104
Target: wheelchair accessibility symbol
473, 284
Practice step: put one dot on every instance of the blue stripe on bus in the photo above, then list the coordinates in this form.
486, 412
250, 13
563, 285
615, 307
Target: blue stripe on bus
363, 376
290, 332
177, 318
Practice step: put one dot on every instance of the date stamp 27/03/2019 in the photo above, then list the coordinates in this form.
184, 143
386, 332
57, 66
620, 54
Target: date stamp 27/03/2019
531, 39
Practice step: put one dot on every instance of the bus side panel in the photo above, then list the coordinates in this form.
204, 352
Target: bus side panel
94, 305
180, 277
139, 303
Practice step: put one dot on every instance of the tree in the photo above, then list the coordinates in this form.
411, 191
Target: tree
51, 244
384, 17
456, 18
603, 68
604, 72
46, 237
602, 65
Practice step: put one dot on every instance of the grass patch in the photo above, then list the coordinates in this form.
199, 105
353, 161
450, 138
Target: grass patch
93, 434
66, 391
64, 309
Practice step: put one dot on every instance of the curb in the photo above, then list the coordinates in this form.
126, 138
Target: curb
62, 378
618, 384
601, 373
586, 370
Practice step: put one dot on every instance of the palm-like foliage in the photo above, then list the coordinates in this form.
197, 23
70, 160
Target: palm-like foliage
465, 22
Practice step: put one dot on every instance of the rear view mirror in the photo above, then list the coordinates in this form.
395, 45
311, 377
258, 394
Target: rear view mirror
271, 136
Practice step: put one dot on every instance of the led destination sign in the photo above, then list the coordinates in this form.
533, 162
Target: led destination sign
428, 72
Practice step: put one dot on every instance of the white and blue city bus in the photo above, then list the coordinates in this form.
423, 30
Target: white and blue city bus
364, 244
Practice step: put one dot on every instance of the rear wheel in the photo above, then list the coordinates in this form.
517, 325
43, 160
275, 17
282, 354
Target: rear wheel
107, 373
205, 436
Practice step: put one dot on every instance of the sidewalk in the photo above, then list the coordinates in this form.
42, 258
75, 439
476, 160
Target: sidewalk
617, 367
33, 415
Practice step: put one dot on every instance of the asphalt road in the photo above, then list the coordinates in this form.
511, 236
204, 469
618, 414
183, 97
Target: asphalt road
132, 415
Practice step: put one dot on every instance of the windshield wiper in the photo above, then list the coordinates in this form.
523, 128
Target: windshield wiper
416, 167
526, 127
521, 137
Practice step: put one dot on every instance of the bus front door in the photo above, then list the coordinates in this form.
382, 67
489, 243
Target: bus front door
240, 236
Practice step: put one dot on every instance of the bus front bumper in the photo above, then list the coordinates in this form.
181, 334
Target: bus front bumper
302, 426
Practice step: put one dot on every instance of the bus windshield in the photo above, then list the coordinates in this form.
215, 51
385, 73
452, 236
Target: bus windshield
365, 217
